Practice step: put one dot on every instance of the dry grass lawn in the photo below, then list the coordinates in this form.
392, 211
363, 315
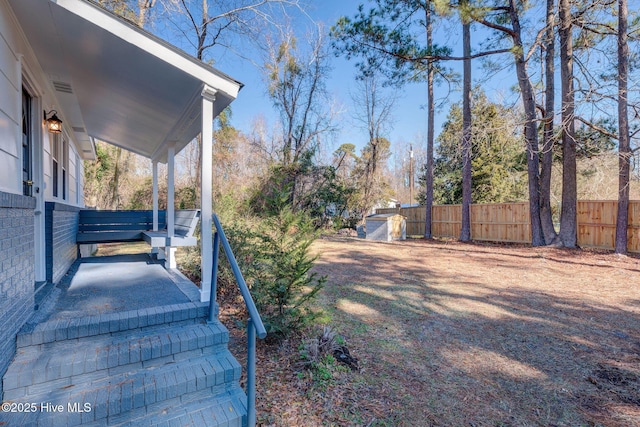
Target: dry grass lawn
452, 334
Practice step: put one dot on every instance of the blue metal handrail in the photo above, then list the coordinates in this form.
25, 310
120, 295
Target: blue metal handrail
254, 324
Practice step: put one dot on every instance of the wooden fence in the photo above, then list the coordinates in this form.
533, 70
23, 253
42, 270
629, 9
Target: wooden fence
509, 222
597, 224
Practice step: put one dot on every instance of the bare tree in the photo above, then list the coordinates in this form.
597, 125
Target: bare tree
374, 109
138, 12
296, 87
624, 143
546, 215
205, 24
568, 226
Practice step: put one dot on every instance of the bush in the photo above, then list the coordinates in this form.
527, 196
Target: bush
282, 281
273, 255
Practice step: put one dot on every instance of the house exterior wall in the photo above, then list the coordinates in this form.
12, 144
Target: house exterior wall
18, 68
23, 237
17, 275
61, 229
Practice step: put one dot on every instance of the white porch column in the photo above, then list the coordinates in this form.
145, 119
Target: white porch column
206, 209
154, 171
170, 253
154, 168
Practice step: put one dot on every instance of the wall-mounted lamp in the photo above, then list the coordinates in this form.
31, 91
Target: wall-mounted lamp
54, 124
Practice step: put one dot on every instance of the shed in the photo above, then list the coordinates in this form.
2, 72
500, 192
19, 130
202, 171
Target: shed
386, 227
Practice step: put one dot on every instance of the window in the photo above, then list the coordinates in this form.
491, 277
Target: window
65, 166
55, 155
60, 166
27, 137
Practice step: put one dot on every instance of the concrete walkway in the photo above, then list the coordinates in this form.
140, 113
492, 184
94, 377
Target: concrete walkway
101, 285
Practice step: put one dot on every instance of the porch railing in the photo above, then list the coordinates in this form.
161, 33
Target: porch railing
254, 324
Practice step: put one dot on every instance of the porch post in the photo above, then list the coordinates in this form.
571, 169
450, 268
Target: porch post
154, 167
170, 252
154, 171
206, 202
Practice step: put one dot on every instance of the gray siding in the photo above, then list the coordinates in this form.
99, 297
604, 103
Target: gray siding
61, 229
17, 272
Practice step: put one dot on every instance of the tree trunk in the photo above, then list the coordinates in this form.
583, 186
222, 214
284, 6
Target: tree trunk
530, 129
465, 232
369, 176
624, 148
430, 131
117, 172
568, 228
546, 214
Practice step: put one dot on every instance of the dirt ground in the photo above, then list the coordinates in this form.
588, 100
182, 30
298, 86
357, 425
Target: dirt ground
452, 334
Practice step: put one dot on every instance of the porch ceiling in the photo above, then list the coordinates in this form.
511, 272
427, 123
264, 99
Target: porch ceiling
115, 82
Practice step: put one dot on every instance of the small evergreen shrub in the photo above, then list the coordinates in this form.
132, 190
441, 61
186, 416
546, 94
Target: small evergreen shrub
282, 281
273, 254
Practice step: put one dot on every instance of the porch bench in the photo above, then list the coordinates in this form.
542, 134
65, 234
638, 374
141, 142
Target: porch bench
108, 226
184, 225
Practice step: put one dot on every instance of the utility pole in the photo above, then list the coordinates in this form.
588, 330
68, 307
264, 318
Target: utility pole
410, 175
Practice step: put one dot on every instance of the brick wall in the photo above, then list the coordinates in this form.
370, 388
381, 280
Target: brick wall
17, 271
61, 229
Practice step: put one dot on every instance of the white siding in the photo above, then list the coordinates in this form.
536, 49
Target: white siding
16, 56
10, 100
9, 174
6, 54
10, 105
71, 168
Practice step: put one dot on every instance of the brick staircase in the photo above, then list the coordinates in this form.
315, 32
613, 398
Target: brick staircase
162, 366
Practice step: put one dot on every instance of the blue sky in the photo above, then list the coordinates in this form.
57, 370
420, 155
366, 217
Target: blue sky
408, 117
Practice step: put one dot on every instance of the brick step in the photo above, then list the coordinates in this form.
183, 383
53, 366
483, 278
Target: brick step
123, 397
70, 362
80, 327
227, 410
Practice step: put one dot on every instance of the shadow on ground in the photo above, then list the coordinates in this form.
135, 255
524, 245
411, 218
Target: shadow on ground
454, 334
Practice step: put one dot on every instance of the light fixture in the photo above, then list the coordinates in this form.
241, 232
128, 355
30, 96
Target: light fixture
54, 124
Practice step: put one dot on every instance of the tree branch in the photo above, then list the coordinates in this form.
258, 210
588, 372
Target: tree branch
501, 28
429, 57
537, 42
596, 127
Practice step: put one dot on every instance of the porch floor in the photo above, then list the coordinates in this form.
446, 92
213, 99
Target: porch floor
108, 284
